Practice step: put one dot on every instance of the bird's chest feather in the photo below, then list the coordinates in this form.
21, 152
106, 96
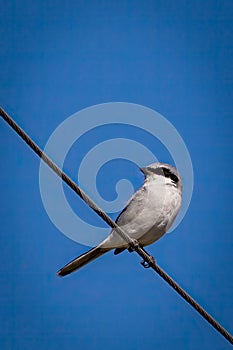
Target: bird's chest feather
162, 203
162, 208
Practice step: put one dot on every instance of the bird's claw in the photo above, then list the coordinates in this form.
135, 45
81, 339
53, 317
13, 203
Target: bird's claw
145, 264
149, 263
132, 248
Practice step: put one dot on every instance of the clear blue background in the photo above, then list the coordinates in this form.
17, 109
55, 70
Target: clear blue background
57, 58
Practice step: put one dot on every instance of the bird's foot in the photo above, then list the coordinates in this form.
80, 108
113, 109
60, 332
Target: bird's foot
132, 248
149, 263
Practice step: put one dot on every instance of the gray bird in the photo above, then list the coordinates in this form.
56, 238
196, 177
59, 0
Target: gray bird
148, 215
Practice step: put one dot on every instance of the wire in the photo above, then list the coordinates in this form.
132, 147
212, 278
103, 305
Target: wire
148, 260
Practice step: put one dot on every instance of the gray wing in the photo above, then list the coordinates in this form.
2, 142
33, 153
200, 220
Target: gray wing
129, 219
129, 212
133, 207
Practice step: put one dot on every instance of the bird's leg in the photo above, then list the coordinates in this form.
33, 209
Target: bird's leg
135, 245
130, 249
150, 258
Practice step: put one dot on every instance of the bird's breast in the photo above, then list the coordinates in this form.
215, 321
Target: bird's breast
149, 214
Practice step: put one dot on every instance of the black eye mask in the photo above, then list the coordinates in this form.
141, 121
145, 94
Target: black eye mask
165, 172
168, 173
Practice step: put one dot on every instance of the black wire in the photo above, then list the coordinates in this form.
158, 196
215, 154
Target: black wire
148, 261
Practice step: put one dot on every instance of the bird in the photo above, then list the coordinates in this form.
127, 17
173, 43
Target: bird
147, 216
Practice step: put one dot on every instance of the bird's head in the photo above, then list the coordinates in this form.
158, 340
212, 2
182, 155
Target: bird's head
163, 171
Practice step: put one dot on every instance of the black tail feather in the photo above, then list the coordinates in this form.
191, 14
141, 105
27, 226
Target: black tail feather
82, 260
118, 251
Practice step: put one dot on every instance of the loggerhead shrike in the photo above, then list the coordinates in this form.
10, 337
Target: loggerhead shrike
149, 213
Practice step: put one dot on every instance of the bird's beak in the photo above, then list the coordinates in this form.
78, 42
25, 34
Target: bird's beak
142, 170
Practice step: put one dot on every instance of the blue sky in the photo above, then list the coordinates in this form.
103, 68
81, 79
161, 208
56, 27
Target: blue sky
58, 58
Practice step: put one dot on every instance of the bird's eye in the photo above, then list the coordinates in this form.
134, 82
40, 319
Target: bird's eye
168, 173
165, 172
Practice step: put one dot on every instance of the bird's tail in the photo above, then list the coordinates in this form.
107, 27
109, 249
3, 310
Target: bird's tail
82, 260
